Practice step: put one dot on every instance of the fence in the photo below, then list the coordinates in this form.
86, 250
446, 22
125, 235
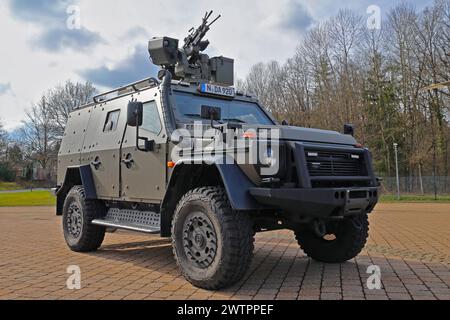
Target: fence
413, 185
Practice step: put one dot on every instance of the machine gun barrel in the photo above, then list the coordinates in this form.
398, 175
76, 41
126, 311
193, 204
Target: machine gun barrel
209, 25
208, 15
194, 40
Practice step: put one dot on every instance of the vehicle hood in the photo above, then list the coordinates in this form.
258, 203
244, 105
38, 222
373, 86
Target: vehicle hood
313, 135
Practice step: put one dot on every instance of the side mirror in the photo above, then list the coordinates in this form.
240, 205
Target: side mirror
211, 113
349, 129
135, 119
134, 114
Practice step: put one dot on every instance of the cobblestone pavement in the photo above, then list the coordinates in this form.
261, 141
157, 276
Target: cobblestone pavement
409, 242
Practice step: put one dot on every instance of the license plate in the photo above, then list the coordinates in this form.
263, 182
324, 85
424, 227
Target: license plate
217, 90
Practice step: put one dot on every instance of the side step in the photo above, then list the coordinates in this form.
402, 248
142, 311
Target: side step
133, 220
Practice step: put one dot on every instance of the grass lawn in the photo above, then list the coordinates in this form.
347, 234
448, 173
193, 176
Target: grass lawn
414, 198
27, 199
9, 186
46, 198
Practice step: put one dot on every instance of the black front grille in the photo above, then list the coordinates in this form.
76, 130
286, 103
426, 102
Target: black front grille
335, 164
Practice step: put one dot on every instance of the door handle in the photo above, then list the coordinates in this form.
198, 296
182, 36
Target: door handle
128, 161
96, 163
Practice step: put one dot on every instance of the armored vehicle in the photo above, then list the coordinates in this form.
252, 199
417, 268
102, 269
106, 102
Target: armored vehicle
142, 158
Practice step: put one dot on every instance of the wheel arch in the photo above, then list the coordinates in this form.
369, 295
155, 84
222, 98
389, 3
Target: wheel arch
188, 175
75, 176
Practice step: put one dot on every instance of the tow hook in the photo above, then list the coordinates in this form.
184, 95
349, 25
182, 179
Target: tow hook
320, 228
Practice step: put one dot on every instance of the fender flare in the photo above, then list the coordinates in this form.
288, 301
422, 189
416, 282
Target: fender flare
236, 183
76, 175
237, 186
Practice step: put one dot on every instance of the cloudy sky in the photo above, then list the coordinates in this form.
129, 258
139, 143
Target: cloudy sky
39, 51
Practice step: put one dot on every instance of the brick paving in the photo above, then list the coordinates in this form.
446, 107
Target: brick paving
409, 242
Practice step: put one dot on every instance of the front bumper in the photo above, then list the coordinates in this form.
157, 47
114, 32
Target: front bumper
318, 203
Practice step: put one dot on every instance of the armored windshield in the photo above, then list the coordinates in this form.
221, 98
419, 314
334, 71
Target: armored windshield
188, 108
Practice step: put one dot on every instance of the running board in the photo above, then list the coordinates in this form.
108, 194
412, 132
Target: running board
133, 220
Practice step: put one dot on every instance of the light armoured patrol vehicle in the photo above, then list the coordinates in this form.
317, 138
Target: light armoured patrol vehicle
117, 170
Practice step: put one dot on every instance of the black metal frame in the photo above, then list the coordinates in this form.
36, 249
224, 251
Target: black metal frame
153, 82
317, 203
304, 179
306, 201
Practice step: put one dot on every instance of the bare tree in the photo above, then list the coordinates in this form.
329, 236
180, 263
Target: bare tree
343, 72
297, 105
3, 141
65, 98
315, 50
345, 32
40, 137
45, 122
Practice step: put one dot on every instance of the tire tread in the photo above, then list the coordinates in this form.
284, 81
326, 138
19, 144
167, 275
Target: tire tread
238, 236
93, 236
356, 241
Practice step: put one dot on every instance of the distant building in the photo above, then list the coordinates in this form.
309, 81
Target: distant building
32, 171
38, 173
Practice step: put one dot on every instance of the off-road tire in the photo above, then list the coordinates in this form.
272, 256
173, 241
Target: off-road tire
233, 231
351, 238
90, 237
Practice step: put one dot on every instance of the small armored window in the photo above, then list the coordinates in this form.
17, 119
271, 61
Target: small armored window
151, 120
112, 120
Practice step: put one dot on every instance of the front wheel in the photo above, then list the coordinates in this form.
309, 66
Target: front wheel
78, 212
343, 240
212, 244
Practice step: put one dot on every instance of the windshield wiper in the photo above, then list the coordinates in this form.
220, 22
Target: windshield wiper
195, 115
234, 120
192, 115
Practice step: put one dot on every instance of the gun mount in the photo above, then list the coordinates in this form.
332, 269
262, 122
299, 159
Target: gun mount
189, 63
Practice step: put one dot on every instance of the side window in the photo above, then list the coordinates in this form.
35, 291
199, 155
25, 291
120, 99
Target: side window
112, 120
151, 121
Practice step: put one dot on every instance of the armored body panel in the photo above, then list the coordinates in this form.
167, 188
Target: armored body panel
97, 136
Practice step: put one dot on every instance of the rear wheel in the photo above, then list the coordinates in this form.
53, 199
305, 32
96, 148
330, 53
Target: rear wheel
342, 241
78, 212
212, 244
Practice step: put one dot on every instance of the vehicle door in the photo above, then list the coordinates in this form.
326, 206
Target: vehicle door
102, 141
143, 174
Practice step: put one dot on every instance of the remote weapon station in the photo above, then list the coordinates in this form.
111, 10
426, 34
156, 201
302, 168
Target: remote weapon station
123, 164
189, 63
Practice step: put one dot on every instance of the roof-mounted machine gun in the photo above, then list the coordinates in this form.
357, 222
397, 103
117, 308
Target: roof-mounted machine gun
189, 63
193, 43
